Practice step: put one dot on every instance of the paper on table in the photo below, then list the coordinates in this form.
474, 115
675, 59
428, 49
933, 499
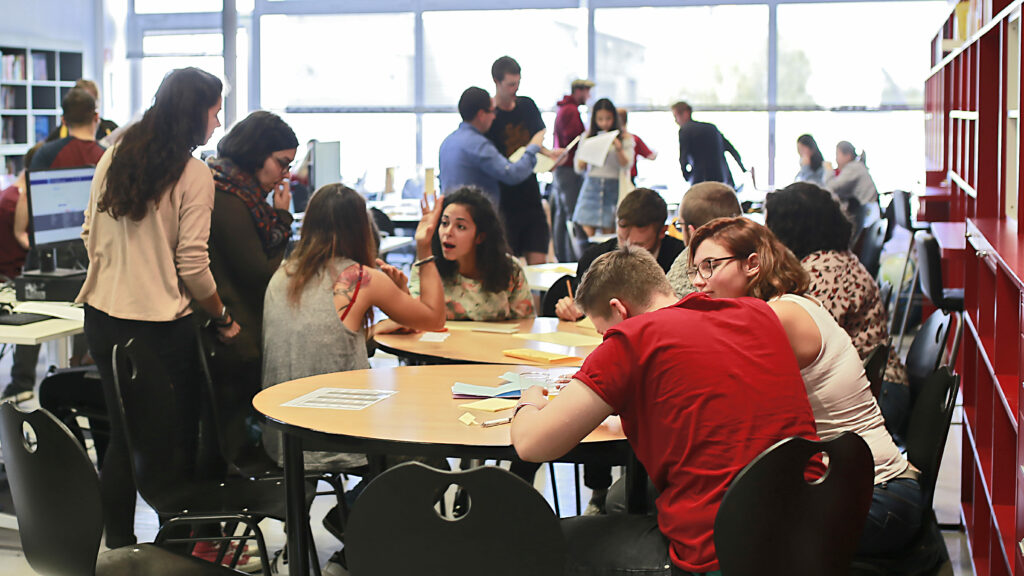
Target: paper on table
510, 390
587, 323
435, 336
594, 150
490, 405
55, 309
339, 399
467, 419
540, 356
561, 338
497, 327
544, 164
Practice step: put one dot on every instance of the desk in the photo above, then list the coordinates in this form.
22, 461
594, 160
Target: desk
403, 213
463, 346
421, 419
392, 243
540, 277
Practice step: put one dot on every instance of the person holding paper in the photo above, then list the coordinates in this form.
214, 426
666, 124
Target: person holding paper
517, 120
702, 149
603, 156
568, 129
482, 281
728, 384
468, 158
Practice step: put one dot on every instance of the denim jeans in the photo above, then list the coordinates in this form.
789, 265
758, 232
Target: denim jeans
894, 517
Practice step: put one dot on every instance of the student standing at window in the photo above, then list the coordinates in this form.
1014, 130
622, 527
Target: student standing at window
146, 232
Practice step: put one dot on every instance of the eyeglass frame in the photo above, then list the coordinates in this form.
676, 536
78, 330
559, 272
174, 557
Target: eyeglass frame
693, 271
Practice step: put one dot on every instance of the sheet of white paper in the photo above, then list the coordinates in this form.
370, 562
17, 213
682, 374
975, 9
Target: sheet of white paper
544, 164
435, 336
55, 309
339, 399
594, 150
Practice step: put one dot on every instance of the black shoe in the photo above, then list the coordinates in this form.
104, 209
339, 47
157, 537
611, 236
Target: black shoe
17, 395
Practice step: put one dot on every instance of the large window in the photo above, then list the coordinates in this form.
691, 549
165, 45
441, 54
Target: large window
705, 54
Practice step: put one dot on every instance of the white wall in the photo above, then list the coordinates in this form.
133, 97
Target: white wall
51, 24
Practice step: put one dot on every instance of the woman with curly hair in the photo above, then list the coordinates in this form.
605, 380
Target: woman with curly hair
481, 280
734, 257
811, 223
146, 231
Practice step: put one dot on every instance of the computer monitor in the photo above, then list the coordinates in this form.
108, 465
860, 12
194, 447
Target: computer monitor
326, 164
57, 200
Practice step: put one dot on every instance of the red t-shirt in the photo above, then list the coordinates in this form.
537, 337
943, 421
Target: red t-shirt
12, 255
639, 149
702, 387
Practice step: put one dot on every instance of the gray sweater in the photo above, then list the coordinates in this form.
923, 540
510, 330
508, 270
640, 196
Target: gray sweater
306, 340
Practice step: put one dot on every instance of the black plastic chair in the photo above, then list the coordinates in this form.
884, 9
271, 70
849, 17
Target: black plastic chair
558, 290
383, 222
163, 469
57, 500
925, 442
874, 367
772, 520
578, 240
396, 528
885, 292
929, 265
871, 242
903, 218
68, 393
863, 217
926, 350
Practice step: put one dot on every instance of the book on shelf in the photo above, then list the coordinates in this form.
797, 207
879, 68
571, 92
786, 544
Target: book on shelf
12, 67
40, 70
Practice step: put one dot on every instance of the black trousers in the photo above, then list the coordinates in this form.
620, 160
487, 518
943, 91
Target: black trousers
174, 344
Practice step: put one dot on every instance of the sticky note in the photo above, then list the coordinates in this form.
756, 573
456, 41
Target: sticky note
540, 356
561, 338
435, 336
467, 419
490, 405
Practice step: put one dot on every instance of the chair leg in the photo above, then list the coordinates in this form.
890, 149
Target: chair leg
554, 488
906, 310
579, 497
314, 558
954, 353
902, 282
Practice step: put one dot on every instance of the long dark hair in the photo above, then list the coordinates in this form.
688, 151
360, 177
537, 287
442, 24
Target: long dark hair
336, 225
250, 142
492, 254
153, 152
807, 218
816, 158
604, 104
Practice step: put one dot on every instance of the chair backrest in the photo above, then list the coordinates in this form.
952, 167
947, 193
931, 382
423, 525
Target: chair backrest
509, 527
925, 353
874, 367
162, 454
55, 490
872, 241
885, 293
556, 292
928, 427
901, 209
772, 520
383, 222
929, 265
578, 241
863, 217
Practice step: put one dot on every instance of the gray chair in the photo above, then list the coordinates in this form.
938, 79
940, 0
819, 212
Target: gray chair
57, 500
773, 521
508, 528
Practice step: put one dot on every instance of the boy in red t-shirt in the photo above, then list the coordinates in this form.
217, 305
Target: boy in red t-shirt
702, 386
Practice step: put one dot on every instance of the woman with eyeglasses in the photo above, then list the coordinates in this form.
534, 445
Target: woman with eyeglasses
735, 257
248, 238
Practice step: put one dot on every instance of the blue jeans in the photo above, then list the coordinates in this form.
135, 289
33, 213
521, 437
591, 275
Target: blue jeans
894, 518
567, 189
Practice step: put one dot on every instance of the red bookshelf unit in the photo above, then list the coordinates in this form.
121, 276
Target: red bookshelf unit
973, 149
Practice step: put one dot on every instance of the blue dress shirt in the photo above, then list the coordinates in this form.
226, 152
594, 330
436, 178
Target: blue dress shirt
468, 158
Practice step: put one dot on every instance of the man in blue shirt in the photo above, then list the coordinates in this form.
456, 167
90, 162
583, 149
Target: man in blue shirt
468, 158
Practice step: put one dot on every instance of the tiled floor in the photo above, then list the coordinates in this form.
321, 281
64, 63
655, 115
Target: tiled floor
13, 563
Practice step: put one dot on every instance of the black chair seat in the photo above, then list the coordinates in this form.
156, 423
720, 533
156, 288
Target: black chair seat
952, 299
556, 292
259, 497
155, 561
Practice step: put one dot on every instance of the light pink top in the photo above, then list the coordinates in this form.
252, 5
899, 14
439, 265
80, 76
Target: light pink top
150, 269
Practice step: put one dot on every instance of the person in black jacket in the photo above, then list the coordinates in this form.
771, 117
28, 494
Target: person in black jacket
641, 222
702, 149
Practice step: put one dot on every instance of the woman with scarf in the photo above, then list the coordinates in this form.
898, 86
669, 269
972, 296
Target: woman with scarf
248, 238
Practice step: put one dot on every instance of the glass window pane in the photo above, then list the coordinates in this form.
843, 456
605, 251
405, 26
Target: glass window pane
160, 43
650, 56
370, 143
345, 60
838, 65
181, 6
894, 162
459, 48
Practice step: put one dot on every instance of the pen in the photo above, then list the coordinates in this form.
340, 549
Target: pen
569, 286
497, 422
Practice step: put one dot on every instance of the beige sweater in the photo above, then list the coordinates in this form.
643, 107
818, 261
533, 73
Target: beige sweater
150, 269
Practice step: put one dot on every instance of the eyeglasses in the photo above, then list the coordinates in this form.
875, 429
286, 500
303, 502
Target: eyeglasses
678, 224
707, 266
284, 163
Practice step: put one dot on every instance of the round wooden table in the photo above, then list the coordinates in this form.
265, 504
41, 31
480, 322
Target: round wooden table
464, 346
420, 419
540, 277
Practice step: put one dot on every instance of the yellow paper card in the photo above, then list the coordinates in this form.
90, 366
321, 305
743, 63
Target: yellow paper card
498, 327
467, 419
540, 356
490, 405
587, 323
562, 338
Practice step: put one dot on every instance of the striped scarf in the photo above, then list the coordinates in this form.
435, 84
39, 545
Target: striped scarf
229, 178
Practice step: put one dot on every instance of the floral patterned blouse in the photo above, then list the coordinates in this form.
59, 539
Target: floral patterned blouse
841, 283
465, 298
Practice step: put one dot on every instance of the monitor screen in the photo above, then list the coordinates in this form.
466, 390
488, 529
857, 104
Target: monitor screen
57, 200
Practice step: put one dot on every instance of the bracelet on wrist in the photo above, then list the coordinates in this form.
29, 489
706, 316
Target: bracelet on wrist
522, 405
423, 261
